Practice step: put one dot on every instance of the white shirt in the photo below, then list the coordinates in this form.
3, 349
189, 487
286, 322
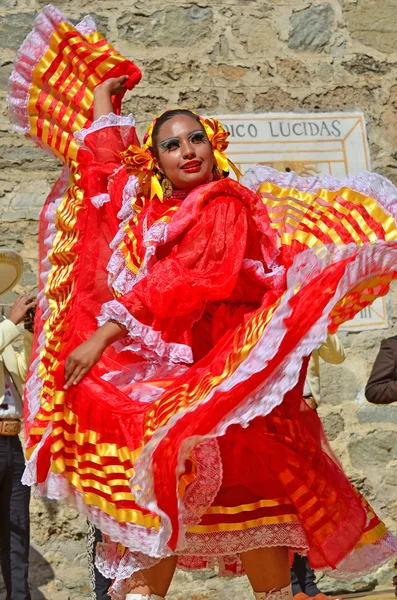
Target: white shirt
330, 351
11, 407
13, 368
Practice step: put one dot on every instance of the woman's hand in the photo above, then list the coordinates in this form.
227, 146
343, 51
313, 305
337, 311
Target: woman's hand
85, 356
81, 360
103, 95
114, 85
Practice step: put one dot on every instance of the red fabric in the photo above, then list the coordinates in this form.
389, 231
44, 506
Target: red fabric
200, 292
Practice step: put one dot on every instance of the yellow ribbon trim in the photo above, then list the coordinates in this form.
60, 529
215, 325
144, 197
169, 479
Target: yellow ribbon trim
292, 518
234, 510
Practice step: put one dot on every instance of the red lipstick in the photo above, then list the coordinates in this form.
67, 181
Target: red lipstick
192, 166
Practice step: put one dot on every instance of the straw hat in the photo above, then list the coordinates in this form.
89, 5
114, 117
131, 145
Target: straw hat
11, 269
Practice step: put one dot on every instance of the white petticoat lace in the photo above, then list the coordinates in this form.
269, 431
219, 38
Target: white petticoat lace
138, 374
28, 57
218, 551
121, 278
142, 339
366, 559
125, 123
100, 200
201, 493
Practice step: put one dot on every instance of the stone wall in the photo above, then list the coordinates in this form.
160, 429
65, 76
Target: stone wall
225, 57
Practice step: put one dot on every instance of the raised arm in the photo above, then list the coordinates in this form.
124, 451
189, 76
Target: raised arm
103, 95
108, 135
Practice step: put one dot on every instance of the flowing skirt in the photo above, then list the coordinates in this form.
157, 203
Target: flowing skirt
191, 436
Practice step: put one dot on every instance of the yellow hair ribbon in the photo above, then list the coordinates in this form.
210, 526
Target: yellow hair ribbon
235, 170
155, 188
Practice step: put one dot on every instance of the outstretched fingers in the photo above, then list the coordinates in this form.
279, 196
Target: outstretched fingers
74, 372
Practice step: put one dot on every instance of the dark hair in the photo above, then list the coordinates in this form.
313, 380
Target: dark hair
166, 116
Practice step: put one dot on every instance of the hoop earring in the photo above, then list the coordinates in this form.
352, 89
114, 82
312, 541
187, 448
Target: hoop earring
167, 188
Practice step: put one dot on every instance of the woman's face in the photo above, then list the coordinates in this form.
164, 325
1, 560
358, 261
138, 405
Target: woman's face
184, 153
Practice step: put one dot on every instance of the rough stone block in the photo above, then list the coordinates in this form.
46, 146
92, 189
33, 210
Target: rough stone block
362, 64
333, 425
369, 413
149, 105
311, 28
5, 72
344, 98
227, 72
173, 26
255, 34
275, 99
237, 102
14, 27
331, 390
292, 71
29, 156
199, 100
374, 24
331, 586
376, 449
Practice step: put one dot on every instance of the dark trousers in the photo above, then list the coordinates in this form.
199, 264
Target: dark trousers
14, 519
303, 578
99, 583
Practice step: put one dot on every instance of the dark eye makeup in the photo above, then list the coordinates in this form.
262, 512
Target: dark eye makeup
196, 137
169, 144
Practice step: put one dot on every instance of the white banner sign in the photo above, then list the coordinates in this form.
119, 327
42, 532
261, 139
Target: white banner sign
312, 143
335, 143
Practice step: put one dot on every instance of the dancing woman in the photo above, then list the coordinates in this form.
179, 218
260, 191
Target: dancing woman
179, 309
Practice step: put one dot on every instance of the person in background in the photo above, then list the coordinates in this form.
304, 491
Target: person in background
99, 584
381, 387
303, 578
14, 496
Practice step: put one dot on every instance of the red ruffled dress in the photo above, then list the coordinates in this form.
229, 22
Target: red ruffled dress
191, 436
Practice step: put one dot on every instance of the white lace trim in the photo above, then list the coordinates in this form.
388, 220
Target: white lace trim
111, 120
137, 538
202, 491
27, 58
222, 549
156, 235
366, 559
274, 278
369, 184
100, 200
142, 339
227, 543
133, 379
142, 371
208, 551
87, 26
121, 278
